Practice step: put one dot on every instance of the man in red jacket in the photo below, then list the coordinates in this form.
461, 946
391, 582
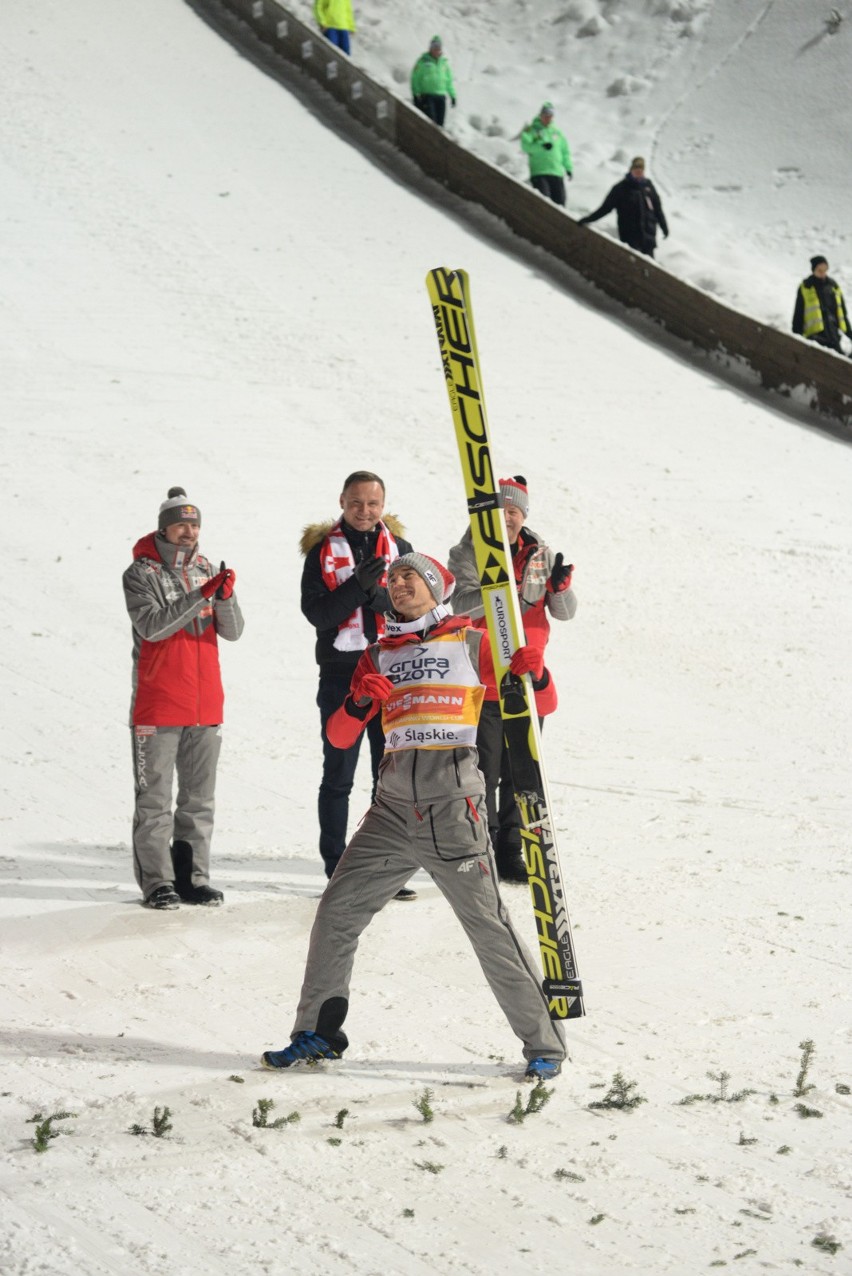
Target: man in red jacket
544, 590
178, 607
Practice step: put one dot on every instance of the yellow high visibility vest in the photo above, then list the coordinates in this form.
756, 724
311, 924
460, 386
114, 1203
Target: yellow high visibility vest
812, 322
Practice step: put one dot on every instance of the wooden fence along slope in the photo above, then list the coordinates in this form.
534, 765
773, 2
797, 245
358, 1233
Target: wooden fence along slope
781, 362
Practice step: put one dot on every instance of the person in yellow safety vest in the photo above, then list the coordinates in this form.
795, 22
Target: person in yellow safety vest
432, 82
336, 21
820, 313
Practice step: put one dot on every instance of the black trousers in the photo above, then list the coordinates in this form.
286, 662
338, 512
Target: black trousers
434, 105
338, 771
552, 187
827, 339
504, 819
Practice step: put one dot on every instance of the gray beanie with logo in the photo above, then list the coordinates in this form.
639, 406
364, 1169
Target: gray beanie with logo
177, 509
515, 492
439, 580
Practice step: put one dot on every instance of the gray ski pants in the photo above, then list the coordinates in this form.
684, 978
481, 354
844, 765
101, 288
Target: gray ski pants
157, 753
449, 840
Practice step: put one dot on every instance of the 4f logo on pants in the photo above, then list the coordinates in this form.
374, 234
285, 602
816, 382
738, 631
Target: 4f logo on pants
467, 865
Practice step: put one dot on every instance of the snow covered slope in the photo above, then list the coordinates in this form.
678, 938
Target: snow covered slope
740, 107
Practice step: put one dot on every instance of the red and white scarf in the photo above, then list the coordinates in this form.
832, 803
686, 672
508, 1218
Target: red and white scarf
337, 564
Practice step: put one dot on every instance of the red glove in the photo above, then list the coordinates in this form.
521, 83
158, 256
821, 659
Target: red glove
227, 587
560, 577
372, 686
527, 660
222, 584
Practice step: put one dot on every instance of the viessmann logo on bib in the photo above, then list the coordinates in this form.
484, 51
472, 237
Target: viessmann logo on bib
413, 704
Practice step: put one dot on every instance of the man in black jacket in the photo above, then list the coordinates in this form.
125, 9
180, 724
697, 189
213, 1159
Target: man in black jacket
344, 596
638, 208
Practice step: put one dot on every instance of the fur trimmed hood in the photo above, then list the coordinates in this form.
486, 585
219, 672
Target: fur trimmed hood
315, 532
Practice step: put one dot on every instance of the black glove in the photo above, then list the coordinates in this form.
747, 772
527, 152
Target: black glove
560, 577
570, 176
548, 146
227, 587
453, 100
367, 573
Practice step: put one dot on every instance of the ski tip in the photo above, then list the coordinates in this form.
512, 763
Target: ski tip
446, 273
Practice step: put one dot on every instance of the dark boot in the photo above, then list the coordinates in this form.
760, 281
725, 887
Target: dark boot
190, 894
162, 897
511, 866
201, 895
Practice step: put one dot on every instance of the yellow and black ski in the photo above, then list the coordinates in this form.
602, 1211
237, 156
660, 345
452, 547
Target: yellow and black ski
449, 292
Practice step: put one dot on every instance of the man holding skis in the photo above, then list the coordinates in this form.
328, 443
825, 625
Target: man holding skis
426, 676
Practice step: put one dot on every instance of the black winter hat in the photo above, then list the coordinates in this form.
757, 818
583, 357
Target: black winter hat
818, 261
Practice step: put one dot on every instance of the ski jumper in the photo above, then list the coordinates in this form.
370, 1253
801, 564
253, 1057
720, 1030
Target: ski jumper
429, 812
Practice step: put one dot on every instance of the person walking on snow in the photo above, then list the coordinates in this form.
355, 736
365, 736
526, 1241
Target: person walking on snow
543, 581
549, 155
427, 674
179, 607
820, 313
344, 598
638, 207
336, 22
432, 82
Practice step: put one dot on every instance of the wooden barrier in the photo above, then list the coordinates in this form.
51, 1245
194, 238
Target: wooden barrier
818, 379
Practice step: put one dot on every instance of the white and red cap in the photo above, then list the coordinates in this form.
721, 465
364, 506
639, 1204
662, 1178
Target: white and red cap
439, 581
514, 491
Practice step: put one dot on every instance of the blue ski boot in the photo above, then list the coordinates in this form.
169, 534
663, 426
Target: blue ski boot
542, 1069
306, 1047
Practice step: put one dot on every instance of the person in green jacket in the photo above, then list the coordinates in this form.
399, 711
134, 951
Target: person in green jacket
432, 82
549, 155
336, 22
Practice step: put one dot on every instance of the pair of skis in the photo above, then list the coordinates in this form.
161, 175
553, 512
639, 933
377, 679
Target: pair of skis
449, 293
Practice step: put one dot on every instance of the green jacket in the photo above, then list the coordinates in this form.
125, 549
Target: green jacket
432, 75
547, 150
334, 15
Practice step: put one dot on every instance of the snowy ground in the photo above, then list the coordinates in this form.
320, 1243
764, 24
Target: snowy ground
202, 284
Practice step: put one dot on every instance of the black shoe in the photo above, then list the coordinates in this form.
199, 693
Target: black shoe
201, 895
511, 868
406, 893
163, 897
